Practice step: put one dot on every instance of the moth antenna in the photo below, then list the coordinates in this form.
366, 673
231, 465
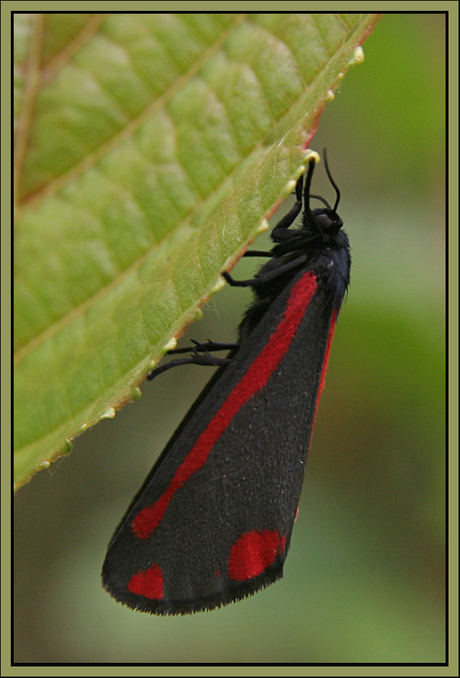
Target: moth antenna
329, 175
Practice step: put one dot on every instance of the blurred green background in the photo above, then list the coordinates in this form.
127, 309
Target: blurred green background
364, 580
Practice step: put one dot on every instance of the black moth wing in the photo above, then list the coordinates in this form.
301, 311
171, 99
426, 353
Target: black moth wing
251, 481
213, 521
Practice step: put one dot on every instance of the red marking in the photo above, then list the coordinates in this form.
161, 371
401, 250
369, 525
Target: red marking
328, 350
253, 552
148, 583
258, 374
325, 362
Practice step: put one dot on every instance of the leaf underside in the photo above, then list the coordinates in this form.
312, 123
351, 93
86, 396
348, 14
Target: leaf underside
148, 150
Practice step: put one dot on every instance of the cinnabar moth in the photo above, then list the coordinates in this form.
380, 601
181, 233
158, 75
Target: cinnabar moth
213, 521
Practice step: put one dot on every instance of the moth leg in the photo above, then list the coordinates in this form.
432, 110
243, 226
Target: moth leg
206, 347
196, 359
294, 212
261, 279
257, 253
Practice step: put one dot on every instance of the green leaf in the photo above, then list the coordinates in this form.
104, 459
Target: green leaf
148, 150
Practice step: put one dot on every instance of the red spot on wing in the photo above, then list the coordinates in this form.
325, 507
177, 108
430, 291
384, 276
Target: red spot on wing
325, 361
253, 552
148, 583
148, 519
